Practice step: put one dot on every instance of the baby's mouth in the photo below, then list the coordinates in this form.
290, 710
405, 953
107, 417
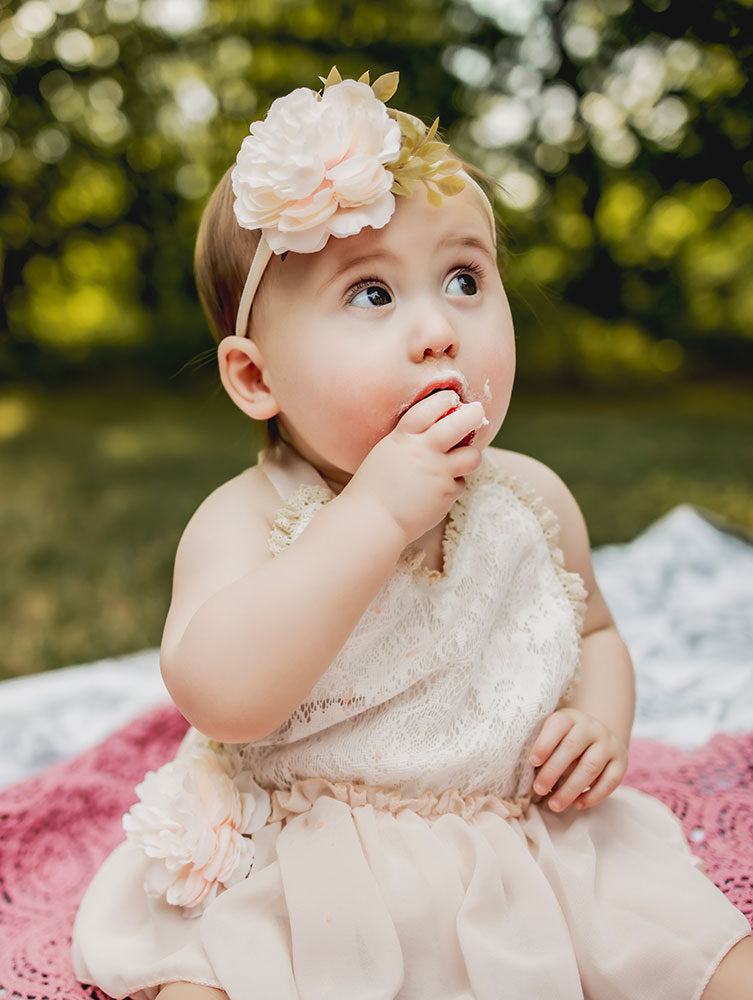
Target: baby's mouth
451, 383
441, 388
457, 388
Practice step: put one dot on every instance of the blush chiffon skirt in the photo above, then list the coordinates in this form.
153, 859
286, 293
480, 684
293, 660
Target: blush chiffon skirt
356, 894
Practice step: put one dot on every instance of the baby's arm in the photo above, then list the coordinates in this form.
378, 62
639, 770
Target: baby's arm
247, 636
585, 744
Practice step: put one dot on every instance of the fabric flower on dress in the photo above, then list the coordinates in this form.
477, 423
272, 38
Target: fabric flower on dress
194, 822
328, 164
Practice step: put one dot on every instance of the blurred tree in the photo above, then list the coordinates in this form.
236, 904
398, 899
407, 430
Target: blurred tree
619, 130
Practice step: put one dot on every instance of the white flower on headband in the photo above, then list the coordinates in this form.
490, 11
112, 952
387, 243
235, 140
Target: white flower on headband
330, 164
315, 167
193, 823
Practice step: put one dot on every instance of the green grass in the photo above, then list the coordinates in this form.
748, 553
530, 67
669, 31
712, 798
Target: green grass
628, 461
97, 485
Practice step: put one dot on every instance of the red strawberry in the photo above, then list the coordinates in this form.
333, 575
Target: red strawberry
468, 438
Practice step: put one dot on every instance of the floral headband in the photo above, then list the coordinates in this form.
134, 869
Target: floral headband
328, 164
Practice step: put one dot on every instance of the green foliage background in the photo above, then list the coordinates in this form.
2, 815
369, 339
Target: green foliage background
621, 131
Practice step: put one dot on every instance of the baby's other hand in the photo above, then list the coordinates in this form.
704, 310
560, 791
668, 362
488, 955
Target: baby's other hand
581, 753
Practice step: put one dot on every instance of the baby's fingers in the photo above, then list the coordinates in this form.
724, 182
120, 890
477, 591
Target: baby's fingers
463, 461
570, 748
552, 733
590, 766
424, 414
609, 780
455, 426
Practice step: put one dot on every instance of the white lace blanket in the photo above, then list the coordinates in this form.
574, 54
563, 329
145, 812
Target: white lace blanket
681, 592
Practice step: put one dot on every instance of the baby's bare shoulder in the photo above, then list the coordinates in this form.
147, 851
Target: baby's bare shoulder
225, 539
535, 474
573, 534
242, 503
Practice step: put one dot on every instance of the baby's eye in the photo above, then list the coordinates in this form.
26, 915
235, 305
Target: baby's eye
465, 284
371, 295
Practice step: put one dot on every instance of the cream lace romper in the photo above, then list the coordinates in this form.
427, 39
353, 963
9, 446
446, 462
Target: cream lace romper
404, 856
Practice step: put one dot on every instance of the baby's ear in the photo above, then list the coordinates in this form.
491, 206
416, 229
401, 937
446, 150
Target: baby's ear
242, 372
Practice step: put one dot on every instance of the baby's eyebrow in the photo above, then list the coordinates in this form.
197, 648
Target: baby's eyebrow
473, 242
466, 241
351, 262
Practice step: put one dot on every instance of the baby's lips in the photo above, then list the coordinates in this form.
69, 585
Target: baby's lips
418, 402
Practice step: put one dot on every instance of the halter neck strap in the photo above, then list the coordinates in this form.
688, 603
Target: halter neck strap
287, 470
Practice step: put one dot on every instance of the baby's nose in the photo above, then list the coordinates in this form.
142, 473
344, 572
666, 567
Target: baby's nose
435, 336
450, 349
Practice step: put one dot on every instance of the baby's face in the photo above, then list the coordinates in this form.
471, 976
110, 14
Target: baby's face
353, 335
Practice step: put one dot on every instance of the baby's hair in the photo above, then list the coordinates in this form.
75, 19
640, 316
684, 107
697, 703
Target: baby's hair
224, 251
222, 256
491, 187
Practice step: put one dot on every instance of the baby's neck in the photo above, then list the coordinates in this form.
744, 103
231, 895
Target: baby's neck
336, 483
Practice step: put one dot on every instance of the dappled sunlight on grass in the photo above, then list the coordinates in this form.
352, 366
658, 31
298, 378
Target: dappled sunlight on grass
144, 441
628, 461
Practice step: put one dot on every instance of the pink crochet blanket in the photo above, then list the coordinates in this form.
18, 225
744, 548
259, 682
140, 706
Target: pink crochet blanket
56, 829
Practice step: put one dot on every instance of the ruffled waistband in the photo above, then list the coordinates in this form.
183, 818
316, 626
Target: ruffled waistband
302, 794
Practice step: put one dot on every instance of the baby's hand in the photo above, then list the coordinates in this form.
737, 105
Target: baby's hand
415, 473
583, 753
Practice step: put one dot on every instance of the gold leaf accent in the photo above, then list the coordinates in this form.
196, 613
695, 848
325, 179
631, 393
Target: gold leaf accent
411, 128
333, 77
450, 185
433, 196
433, 150
403, 186
403, 157
413, 168
385, 86
422, 157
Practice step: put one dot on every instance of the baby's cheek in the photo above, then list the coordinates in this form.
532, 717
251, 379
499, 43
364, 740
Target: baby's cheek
497, 389
371, 405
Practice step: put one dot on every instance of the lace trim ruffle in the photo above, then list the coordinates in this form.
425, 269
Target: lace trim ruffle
288, 517
300, 797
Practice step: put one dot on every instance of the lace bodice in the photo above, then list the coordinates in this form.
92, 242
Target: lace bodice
447, 677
